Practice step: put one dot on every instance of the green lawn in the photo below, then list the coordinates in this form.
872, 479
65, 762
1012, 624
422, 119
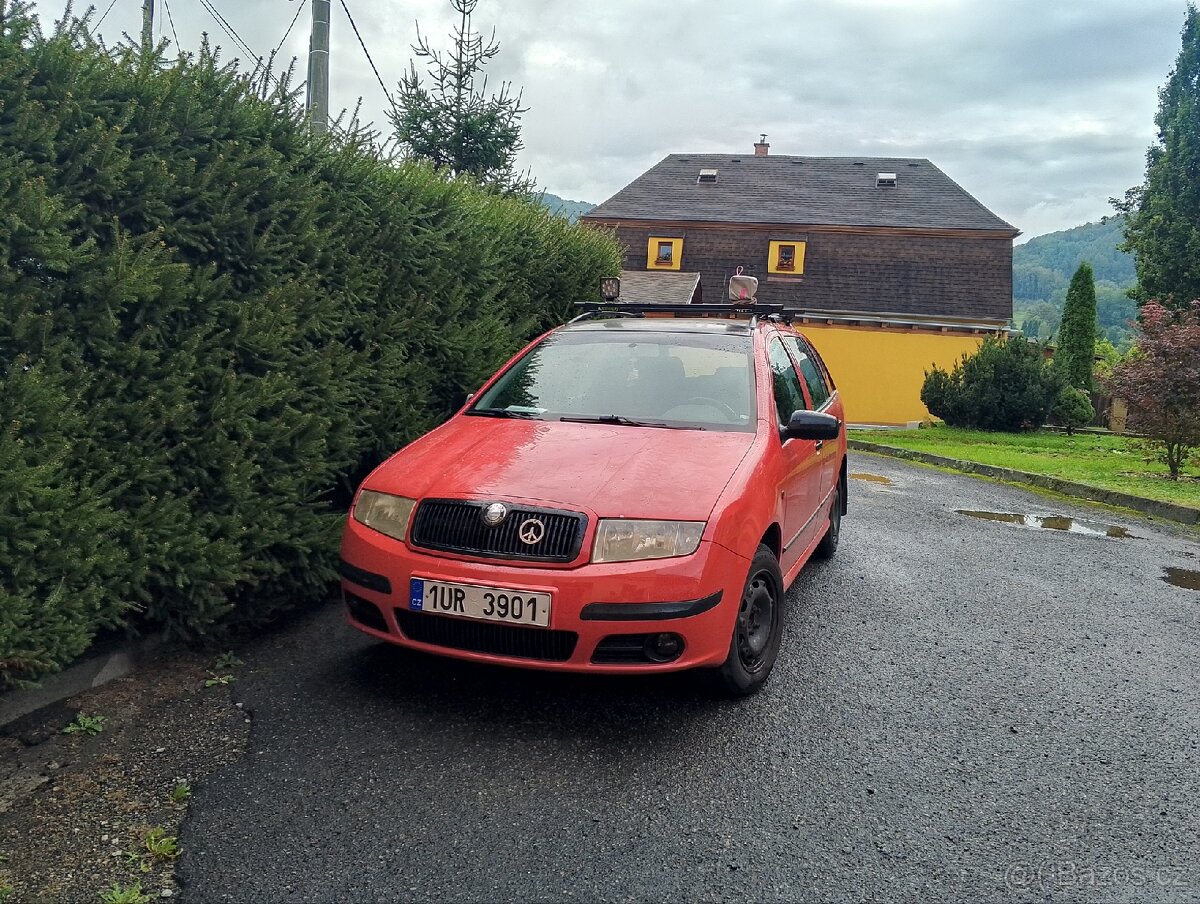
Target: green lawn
1111, 462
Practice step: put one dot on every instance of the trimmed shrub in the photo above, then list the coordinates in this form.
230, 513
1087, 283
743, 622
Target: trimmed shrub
1004, 385
212, 326
1072, 409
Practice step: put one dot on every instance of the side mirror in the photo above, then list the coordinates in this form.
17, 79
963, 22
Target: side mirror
812, 425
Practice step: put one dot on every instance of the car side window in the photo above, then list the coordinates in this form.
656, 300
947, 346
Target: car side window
814, 378
789, 396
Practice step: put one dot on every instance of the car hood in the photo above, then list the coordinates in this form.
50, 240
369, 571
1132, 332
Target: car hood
611, 470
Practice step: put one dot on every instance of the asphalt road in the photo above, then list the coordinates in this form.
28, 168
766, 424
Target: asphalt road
962, 710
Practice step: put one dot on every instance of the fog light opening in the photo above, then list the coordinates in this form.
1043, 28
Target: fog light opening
663, 647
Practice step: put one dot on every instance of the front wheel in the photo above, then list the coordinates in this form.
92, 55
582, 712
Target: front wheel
829, 543
758, 628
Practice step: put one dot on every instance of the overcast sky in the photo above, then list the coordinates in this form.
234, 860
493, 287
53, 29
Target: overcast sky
1042, 109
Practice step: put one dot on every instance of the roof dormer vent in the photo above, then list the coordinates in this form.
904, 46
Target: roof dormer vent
885, 180
707, 175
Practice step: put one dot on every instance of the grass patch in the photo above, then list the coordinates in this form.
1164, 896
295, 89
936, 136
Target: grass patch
1101, 460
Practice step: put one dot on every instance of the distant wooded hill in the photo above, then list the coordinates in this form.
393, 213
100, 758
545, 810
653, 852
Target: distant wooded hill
1043, 267
571, 210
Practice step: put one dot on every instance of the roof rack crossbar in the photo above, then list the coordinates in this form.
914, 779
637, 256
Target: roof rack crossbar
602, 311
635, 308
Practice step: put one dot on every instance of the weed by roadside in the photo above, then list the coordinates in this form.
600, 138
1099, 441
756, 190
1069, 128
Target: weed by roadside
227, 662
120, 894
160, 845
85, 724
181, 793
157, 847
220, 674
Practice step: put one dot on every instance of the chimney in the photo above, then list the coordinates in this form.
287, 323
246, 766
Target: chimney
761, 147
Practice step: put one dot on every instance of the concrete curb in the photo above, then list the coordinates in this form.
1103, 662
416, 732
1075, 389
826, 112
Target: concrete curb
1168, 511
92, 671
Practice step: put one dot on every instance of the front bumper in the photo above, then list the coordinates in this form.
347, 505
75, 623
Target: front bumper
594, 606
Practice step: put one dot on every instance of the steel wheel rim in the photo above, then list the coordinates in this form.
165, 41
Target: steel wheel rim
756, 621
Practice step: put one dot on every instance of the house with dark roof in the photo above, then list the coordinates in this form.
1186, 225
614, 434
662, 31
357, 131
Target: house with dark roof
894, 265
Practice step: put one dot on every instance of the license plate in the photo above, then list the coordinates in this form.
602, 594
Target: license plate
515, 607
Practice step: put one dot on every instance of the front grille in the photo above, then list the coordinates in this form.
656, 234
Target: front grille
455, 525
485, 637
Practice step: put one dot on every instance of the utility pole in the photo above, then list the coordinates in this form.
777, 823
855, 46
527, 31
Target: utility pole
147, 24
318, 68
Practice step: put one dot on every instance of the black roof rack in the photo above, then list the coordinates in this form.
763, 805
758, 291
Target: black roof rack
621, 308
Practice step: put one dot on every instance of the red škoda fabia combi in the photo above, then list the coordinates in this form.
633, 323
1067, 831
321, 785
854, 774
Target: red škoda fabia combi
628, 494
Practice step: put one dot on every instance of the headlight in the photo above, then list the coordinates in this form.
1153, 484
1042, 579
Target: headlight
384, 512
625, 540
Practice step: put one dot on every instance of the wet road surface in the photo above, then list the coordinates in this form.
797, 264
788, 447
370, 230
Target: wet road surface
963, 709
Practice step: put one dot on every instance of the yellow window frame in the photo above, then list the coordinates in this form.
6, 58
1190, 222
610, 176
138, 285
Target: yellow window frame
652, 260
773, 259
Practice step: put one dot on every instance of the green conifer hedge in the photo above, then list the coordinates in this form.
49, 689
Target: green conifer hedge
212, 325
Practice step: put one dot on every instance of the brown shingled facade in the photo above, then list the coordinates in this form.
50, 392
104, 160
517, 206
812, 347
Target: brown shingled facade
887, 272
923, 246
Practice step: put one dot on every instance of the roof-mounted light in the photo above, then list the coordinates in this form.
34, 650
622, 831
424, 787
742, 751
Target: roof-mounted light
610, 288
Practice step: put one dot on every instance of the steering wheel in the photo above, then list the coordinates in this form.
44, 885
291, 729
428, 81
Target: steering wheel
725, 409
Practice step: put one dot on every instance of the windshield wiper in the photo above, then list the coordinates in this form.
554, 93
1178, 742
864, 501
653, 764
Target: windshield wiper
503, 412
623, 421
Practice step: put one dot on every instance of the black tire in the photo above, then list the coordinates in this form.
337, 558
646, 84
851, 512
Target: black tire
757, 628
829, 543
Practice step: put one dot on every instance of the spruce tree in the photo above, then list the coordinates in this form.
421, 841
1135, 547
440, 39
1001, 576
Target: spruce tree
1077, 335
453, 123
1162, 226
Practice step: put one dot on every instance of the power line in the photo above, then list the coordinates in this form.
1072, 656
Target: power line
106, 12
240, 42
283, 40
237, 39
362, 43
171, 19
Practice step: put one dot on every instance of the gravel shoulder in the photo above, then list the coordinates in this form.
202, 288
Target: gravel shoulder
76, 808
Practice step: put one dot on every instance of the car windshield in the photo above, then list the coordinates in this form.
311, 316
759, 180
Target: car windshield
696, 381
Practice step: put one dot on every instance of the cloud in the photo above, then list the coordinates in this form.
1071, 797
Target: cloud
1043, 109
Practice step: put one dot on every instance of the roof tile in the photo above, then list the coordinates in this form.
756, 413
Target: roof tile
801, 191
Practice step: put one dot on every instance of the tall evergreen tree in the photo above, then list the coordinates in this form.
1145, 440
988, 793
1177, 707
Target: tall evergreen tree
1077, 335
452, 122
1162, 226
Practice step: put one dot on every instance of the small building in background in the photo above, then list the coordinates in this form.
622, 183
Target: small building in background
894, 265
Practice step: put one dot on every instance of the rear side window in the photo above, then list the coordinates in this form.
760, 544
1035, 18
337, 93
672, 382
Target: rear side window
814, 376
788, 395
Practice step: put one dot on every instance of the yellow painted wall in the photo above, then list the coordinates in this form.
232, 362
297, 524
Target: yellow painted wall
879, 372
652, 253
773, 259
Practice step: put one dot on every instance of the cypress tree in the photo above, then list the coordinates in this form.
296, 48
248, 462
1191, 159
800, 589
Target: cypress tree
1076, 350
1162, 224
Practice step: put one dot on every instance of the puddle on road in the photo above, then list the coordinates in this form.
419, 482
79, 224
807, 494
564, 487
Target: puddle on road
1182, 577
872, 478
1053, 522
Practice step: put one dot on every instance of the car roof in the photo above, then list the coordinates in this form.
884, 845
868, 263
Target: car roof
710, 325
